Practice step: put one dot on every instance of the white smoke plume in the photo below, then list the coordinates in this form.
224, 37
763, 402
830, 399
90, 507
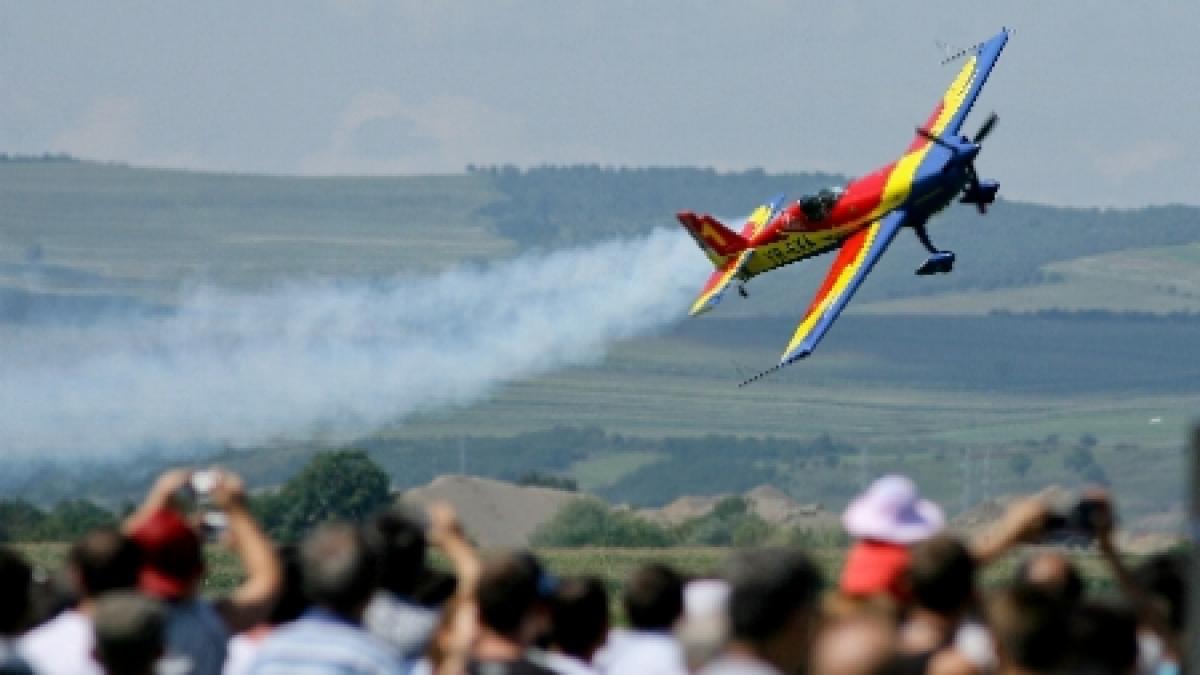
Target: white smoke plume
334, 359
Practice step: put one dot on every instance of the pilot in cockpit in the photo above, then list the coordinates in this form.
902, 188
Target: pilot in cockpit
817, 207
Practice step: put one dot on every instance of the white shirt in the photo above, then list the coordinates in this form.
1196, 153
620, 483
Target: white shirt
406, 626
320, 644
735, 665
243, 649
644, 653
565, 664
61, 646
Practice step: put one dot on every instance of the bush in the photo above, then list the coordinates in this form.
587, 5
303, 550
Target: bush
341, 485
537, 478
730, 523
67, 520
1020, 464
590, 522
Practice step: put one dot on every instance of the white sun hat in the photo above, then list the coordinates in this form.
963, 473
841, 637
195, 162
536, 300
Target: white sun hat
892, 511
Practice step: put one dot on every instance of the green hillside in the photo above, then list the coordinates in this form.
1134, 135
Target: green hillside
994, 359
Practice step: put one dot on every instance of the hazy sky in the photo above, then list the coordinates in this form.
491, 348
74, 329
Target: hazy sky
1099, 101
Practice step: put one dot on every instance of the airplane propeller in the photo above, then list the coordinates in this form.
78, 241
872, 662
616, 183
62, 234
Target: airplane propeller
988, 126
973, 185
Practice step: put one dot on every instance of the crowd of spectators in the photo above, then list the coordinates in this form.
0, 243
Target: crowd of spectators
366, 598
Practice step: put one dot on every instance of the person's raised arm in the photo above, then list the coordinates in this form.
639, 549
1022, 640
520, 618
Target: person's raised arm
159, 497
446, 533
459, 628
1104, 521
250, 602
1022, 522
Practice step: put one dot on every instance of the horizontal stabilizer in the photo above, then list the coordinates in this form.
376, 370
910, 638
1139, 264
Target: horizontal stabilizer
712, 236
728, 267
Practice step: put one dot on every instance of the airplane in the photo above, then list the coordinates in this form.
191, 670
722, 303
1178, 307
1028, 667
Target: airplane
862, 217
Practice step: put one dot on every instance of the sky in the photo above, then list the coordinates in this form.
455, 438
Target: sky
1098, 100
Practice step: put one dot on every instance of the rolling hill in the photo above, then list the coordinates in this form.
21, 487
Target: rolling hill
1057, 323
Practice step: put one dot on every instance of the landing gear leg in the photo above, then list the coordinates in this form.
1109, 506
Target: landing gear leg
742, 291
939, 262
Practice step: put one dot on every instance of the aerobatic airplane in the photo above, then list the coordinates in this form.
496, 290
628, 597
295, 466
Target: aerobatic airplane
861, 218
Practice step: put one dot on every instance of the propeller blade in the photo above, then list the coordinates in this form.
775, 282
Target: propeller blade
988, 126
930, 137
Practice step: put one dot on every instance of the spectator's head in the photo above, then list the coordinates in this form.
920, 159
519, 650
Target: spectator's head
291, 602
1163, 577
705, 626
1052, 572
579, 616
172, 555
130, 633
654, 598
941, 575
507, 596
1030, 626
857, 645
16, 579
104, 560
338, 569
397, 536
773, 605
1103, 640
892, 511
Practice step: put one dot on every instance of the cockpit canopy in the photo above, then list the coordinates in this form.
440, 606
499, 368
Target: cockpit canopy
817, 207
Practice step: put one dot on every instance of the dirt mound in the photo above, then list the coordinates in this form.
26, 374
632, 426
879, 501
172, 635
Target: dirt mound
495, 514
768, 502
683, 508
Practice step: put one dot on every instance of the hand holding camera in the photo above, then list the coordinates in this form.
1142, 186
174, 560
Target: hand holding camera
1088, 517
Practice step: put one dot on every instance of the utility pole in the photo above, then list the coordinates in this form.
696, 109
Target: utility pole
986, 479
863, 473
1192, 630
966, 480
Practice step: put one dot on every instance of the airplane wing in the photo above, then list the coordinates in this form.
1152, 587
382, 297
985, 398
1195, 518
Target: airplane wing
951, 111
854, 261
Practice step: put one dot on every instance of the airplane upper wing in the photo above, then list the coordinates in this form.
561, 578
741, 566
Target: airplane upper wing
951, 111
854, 261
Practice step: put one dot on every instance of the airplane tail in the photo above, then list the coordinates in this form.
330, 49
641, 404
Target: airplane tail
718, 242
728, 251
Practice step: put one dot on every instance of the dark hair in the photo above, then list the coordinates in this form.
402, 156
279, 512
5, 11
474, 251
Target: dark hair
105, 560
508, 589
654, 597
1163, 576
130, 632
1030, 625
291, 601
767, 587
397, 536
941, 573
338, 569
1068, 589
16, 577
1103, 639
579, 613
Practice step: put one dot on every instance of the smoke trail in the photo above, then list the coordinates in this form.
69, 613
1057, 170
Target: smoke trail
337, 359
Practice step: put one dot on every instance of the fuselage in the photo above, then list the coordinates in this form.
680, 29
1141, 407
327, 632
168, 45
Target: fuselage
925, 179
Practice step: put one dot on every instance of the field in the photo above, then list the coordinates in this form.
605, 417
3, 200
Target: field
919, 373
1155, 280
611, 565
